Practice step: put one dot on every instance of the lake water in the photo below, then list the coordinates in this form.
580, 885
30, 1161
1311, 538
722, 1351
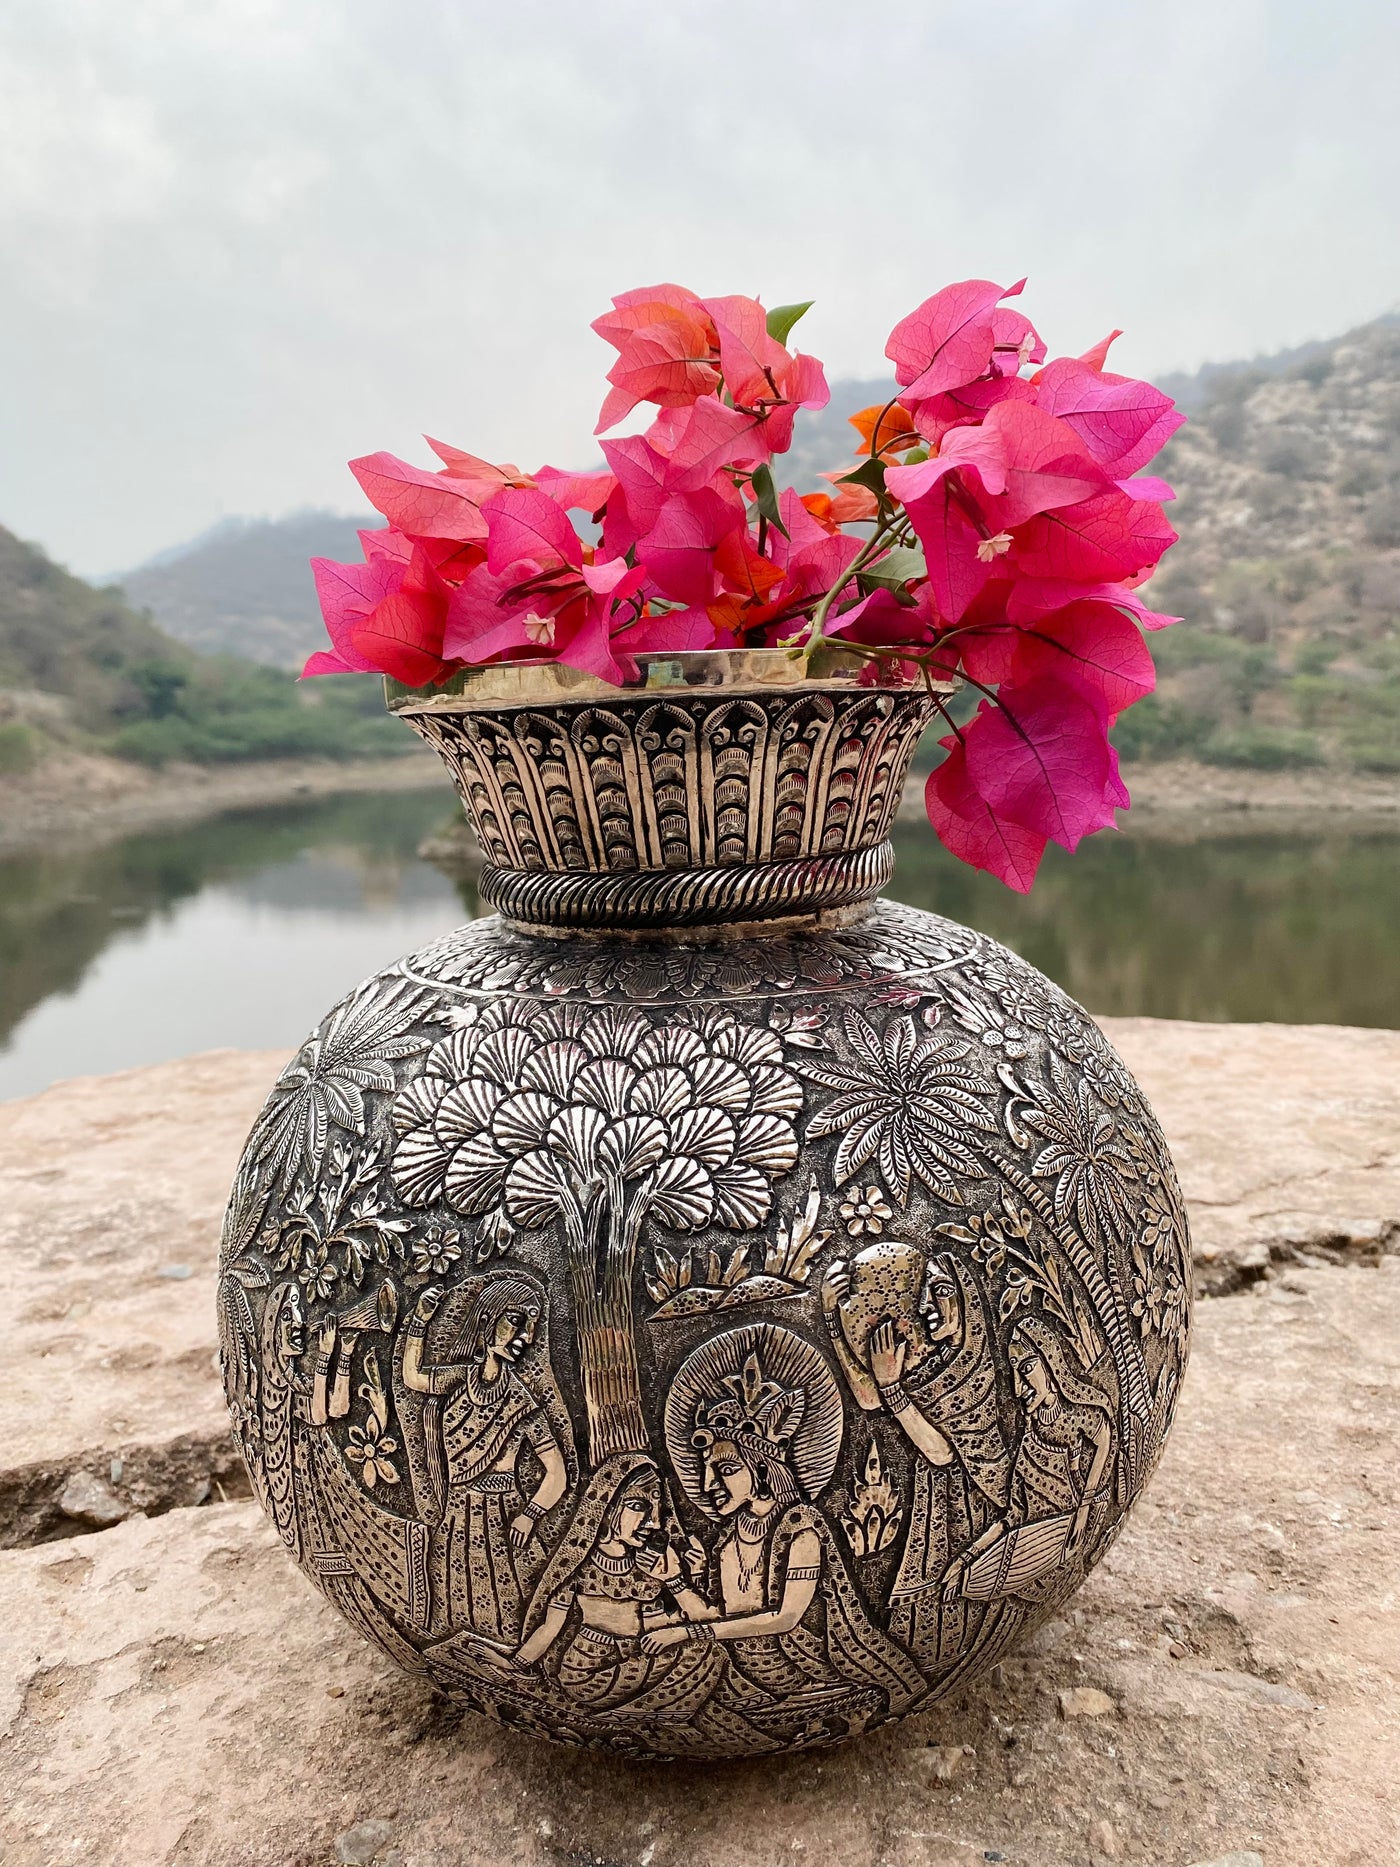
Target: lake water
244, 929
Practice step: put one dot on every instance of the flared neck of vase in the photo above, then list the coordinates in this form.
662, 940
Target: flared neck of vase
716, 795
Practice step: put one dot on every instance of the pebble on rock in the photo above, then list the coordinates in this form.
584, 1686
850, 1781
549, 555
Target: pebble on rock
1085, 1701
90, 1500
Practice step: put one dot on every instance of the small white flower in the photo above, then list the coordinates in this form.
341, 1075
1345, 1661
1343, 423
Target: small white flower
539, 630
990, 549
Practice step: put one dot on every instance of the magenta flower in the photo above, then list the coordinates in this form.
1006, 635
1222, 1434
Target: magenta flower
1020, 479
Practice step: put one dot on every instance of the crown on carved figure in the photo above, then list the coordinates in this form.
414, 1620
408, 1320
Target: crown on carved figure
752, 1411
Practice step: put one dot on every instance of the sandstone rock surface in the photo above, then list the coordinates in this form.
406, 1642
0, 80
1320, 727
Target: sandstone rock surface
173, 1691
112, 1190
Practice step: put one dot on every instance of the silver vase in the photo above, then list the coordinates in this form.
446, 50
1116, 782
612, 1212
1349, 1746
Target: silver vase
704, 1309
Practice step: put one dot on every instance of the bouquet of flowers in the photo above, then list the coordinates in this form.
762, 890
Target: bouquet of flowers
994, 526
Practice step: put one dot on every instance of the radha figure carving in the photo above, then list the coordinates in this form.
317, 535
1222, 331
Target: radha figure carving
479, 1419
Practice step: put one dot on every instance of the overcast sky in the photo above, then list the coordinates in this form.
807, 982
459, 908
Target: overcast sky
242, 240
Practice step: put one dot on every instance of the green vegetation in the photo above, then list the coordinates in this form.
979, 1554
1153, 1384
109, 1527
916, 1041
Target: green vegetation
228, 710
79, 668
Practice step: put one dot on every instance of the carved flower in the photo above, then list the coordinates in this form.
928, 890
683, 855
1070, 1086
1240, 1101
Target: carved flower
369, 1449
538, 1110
865, 1212
318, 1273
436, 1251
906, 1101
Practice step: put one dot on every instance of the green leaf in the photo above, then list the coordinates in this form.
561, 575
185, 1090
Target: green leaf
765, 496
895, 568
915, 455
869, 473
782, 318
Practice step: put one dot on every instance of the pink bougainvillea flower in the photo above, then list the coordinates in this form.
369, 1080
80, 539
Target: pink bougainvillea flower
577, 492
1021, 460
446, 504
525, 523
699, 440
450, 559
384, 616
1030, 598
348, 593
973, 831
679, 550
964, 407
966, 502
1041, 758
1121, 422
1015, 341
881, 620
1090, 646
460, 465
950, 529
1099, 540
760, 375
673, 510
948, 340
812, 559
667, 351
1097, 354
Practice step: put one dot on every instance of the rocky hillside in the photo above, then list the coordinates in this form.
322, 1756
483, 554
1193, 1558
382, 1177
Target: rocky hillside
244, 588
1288, 570
80, 669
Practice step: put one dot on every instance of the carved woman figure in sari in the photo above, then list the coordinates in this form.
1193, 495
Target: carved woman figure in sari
479, 1418
613, 1578
1058, 1498
366, 1558
930, 1366
806, 1661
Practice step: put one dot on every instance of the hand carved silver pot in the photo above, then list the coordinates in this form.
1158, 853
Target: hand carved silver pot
702, 1310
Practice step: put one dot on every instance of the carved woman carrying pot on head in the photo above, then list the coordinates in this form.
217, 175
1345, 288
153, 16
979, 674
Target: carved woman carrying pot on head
478, 1419
912, 1337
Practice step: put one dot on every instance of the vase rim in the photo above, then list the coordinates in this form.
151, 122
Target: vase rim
833, 667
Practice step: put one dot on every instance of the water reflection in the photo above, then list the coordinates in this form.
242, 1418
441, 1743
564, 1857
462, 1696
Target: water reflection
1294, 929
243, 930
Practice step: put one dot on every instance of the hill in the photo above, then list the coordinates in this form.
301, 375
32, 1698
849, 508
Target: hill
244, 587
80, 669
1288, 569
1287, 573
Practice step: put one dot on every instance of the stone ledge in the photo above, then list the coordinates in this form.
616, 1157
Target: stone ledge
173, 1691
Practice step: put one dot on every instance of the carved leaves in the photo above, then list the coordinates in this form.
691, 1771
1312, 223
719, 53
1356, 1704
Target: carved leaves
905, 1103
1083, 1153
324, 1087
552, 1112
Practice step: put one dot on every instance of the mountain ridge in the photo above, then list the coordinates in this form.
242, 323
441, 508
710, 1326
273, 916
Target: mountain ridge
1287, 572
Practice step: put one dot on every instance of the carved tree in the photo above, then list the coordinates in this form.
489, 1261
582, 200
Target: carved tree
600, 1123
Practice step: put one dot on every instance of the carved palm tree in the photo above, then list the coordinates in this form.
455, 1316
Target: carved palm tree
600, 1123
